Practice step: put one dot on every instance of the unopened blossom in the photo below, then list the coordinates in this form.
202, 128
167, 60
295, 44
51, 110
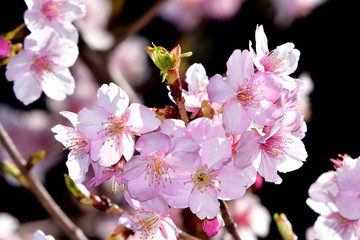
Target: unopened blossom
78, 158
43, 65
160, 159
56, 15
247, 96
330, 224
4, 48
151, 221
281, 61
276, 150
110, 126
212, 226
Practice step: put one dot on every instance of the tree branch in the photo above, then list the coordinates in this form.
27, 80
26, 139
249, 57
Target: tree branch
229, 222
34, 185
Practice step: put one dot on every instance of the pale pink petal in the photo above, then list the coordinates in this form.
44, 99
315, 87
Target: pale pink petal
173, 128
184, 144
184, 163
141, 119
181, 201
232, 183
239, 68
110, 152
265, 114
219, 90
247, 149
349, 177
140, 188
113, 98
90, 122
268, 169
72, 117
235, 118
349, 204
289, 58
58, 84
157, 204
78, 166
154, 143
269, 86
215, 151
27, 89
135, 167
18, 65
295, 155
261, 42
127, 143
204, 204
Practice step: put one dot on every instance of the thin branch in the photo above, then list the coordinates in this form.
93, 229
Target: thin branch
139, 24
35, 186
229, 222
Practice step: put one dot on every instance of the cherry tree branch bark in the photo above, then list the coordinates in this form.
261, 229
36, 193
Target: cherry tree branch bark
35, 187
229, 222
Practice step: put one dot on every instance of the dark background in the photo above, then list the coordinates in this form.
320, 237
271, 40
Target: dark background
328, 40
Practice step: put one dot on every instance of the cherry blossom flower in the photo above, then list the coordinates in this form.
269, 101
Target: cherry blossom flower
151, 221
281, 61
246, 96
43, 65
78, 158
110, 126
160, 159
56, 15
330, 224
276, 150
210, 180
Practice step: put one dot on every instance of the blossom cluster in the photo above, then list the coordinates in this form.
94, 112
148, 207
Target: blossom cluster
48, 52
244, 124
335, 196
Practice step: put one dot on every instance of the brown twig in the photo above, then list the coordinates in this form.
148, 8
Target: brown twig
229, 222
39, 190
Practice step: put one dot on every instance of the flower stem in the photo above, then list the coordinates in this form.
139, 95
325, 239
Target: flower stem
35, 186
229, 222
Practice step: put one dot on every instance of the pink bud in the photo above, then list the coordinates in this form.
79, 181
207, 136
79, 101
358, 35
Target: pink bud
212, 226
258, 183
4, 48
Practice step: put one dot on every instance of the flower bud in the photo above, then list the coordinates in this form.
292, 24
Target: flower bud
284, 227
167, 62
5, 48
212, 226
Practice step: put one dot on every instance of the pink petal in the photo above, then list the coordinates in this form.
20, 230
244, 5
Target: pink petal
153, 143
269, 86
141, 119
27, 89
135, 167
232, 184
113, 98
90, 122
348, 203
239, 68
127, 143
59, 84
140, 188
204, 204
215, 151
268, 169
235, 118
220, 91
247, 149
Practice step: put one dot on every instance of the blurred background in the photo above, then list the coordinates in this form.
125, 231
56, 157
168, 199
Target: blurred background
326, 33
